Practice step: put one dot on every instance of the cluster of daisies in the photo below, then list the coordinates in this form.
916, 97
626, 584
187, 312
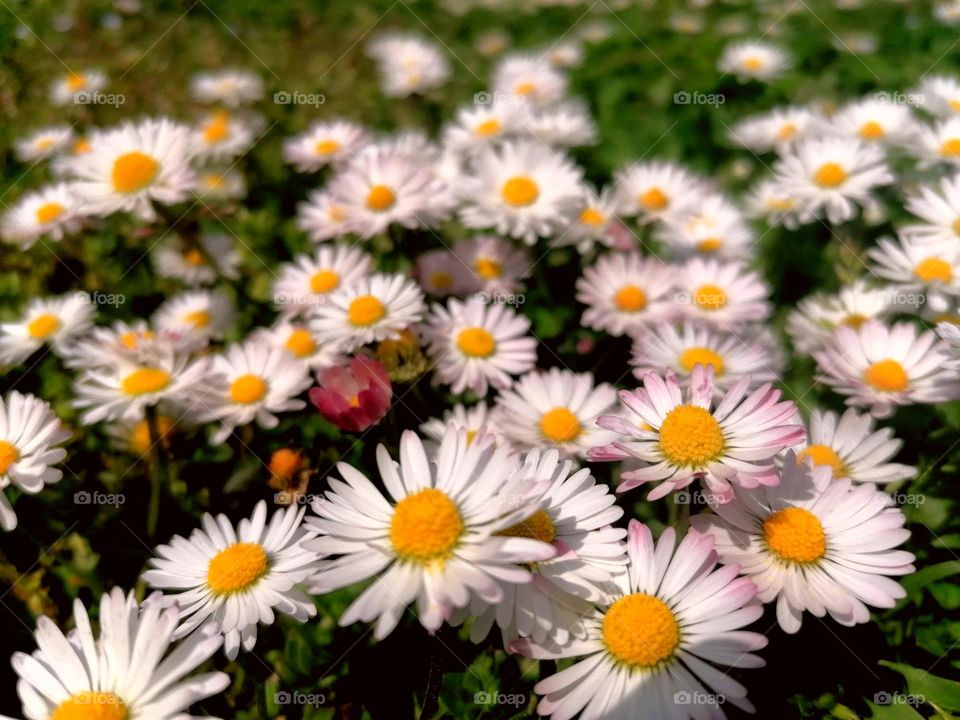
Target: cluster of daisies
489, 515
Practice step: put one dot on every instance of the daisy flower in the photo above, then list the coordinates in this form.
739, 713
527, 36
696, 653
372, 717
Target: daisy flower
851, 448
223, 135
555, 409
232, 88
654, 190
753, 60
624, 292
498, 265
917, 265
680, 348
307, 282
51, 211
134, 436
475, 345
677, 442
940, 95
715, 228
408, 64
441, 273
939, 209
530, 77
947, 11
476, 126
205, 314
595, 223
131, 166
565, 53
252, 381
323, 217
814, 544
939, 143
567, 124
103, 345
875, 120
773, 201
373, 308
220, 184
232, 578
811, 324
42, 144
434, 539
216, 257
474, 420
324, 143
131, 670
950, 333
56, 321
521, 189
882, 367
723, 295
575, 515
297, 340
777, 129
659, 638
64, 89
832, 176
29, 434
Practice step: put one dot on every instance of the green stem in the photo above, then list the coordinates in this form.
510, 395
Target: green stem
159, 471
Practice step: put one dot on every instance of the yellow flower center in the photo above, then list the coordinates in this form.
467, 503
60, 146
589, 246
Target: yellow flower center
82, 146
787, 131
640, 631
933, 269
43, 326
197, 318
488, 128
248, 389
218, 129
887, 376
323, 281
476, 342
426, 527
752, 63
796, 535
538, 526
951, 148
630, 298
8, 456
365, 310
872, 130
654, 199
954, 105
592, 217
193, 256
829, 175
90, 705
780, 204
524, 88
76, 81
48, 212
690, 436
380, 198
140, 441
130, 340
824, 455
134, 171
488, 268
710, 244
326, 147
144, 381
520, 191
691, 357
301, 343
854, 320
236, 568
441, 280
213, 180
560, 425
710, 297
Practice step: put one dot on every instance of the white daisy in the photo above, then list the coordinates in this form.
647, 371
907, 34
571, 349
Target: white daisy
55, 321
307, 281
498, 265
323, 217
773, 201
441, 273
223, 135
564, 53
654, 190
202, 263
64, 89
815, 318
938, 143
917, 265
220, 184
51, 211
298, 340
715, 227
475, 420
232, 88
754, 60
42, 144
950, 333
204, 313
940, 95
596, 222
724, 295
324, 143
479, 125
875, 120
408, 64
939, 208
567, 124
103, 346
624, 292
528, 78
815, 544
777, 129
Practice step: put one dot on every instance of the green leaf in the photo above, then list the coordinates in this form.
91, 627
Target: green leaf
934, 690
893, 712
922, 578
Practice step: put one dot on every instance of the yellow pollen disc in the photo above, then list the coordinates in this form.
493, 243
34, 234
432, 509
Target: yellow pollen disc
82, 146
780, 204
194, 257
8, 456
365, 310
829, 175
933, 269
488, 128
44, 143
488, 268
630, 298
236, 568
284, 463
76, 81
524, 88
301, 343
43, 326
130, 340
520, 191
48, 212
426, 527
441, 280
951, 148
787, 131
956, 226
134, 171
691, 357
476, 342
213, 180
796, 535
248, 389
197, 318
538, 526
752, 64
872, 131
380, 198
711, 244
954, 105
824, 455
639, 630
323, 281
854, 320
592, 217
337, 214
654, 199
887, 376
145, 380
690, 436
710, 297
326, 147
560, 425
91, 705
140, 440
471, 434
217, 130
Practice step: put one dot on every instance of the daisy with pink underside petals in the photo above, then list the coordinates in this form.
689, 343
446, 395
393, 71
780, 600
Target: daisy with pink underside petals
678, 442
814, 544
883, 367
659, 639
723, 295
